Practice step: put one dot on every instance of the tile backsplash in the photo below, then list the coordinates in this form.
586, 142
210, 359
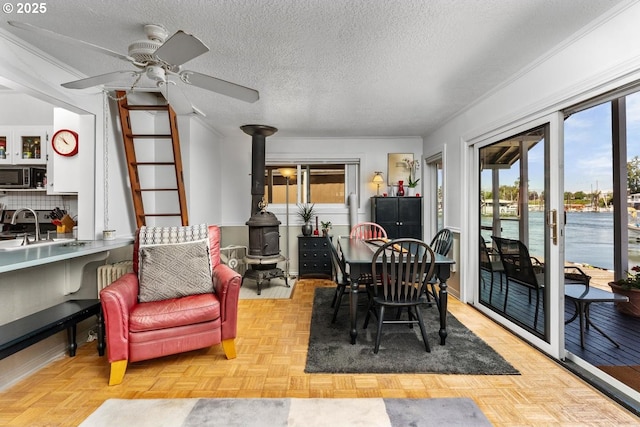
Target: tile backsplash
39, 201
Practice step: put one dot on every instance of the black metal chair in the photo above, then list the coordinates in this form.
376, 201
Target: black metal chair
522, 268
402, 268
490, 262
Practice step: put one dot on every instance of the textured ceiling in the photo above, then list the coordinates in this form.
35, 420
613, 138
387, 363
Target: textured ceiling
329, 67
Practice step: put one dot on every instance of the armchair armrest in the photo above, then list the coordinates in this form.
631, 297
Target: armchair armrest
226, 284
117, 300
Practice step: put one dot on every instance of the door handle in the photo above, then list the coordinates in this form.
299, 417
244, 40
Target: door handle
552, 221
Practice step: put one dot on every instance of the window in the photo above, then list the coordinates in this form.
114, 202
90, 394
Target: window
320, 183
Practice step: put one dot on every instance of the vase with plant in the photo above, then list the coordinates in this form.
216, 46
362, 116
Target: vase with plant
412, 182
629, 287
305, 212
326, 226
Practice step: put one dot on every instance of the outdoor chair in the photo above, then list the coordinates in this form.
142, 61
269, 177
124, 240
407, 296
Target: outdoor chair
520, 267
402, 268
367, 230
490, 262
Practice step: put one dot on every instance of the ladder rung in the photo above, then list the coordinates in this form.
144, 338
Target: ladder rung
149, 136
156, 189
147, 107
153, 163
162, 214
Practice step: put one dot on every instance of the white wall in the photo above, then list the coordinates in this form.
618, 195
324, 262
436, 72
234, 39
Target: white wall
201, 160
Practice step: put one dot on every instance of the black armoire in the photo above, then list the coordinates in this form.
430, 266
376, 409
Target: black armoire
399, 216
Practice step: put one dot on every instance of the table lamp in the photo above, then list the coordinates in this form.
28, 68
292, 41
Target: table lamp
378, 179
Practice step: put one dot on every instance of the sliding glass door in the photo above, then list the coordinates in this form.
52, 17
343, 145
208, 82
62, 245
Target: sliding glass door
520, 230
602, 199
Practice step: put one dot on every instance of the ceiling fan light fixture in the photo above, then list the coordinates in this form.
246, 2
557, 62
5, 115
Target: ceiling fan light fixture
156, 73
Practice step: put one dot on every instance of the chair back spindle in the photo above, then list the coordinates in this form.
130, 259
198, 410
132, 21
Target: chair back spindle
442, 242
367, 230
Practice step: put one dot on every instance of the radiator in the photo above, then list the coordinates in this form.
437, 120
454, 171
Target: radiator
233, 256
109, 273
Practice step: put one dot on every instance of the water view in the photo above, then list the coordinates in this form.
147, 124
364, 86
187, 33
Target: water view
589, 237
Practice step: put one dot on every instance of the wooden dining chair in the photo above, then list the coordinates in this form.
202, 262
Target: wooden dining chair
441, 244
367, 230
402, 268
341, 278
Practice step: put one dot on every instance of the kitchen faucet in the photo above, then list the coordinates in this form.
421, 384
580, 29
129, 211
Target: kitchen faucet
35, 217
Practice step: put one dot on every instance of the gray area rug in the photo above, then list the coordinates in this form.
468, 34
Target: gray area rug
401, 347
287, 412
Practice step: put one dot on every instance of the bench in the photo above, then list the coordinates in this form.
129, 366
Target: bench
22, 333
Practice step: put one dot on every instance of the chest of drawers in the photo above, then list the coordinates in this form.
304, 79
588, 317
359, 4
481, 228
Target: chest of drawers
314, 257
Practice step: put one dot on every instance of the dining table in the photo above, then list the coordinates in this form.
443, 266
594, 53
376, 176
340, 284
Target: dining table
358, 255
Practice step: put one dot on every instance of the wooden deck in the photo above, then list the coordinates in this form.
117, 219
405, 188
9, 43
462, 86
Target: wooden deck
622, 363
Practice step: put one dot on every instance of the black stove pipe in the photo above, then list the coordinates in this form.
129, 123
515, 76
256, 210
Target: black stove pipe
258, 135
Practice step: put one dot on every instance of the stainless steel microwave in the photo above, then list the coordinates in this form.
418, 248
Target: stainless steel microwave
16, 177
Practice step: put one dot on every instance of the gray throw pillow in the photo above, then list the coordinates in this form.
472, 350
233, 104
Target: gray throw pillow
174, 270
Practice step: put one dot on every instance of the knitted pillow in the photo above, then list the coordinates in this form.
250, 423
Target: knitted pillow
174, 270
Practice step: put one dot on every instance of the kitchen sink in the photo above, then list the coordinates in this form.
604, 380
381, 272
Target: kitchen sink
16, 244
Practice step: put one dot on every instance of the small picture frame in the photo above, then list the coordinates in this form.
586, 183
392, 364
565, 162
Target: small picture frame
397, 168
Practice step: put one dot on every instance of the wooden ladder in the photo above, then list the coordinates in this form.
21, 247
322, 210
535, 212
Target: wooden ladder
133, 165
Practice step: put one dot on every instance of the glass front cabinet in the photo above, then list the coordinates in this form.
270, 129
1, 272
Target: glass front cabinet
23, 145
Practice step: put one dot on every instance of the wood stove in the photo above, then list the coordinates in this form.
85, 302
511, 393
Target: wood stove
264, 235
264, 231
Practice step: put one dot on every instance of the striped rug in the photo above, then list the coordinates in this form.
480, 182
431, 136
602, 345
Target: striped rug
375, 412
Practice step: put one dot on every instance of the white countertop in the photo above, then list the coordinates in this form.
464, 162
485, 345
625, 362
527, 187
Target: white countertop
30, 257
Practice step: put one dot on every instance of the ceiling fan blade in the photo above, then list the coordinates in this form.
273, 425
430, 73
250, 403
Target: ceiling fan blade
70, 40
176, 97
220, 86
180, 48
97, 80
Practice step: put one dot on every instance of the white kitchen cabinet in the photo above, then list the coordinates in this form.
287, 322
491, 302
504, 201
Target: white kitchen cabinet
24, 145
62, 176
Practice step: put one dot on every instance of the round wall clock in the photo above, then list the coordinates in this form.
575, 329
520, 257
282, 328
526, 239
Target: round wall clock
65, 142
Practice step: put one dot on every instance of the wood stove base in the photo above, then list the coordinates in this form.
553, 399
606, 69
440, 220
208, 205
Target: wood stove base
259, 271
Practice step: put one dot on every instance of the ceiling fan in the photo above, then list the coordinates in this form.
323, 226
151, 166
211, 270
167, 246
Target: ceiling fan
160, 59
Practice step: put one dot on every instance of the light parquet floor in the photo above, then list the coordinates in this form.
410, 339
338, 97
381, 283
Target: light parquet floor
272, 345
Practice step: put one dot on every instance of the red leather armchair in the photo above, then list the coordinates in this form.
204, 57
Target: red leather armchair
140, 331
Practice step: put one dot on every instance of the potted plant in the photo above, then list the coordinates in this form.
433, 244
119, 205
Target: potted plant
305, 212
413, 166
629, 287
326, 226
